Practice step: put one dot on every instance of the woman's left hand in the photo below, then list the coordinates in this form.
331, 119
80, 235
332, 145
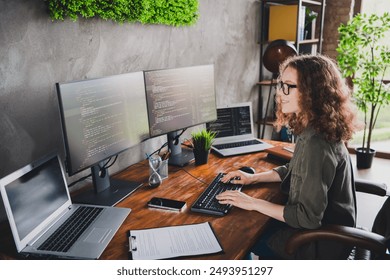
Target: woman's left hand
238, 199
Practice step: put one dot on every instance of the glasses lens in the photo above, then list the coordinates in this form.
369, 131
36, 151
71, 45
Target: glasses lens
283, 87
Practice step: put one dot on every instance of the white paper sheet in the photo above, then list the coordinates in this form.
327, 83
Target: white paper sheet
173, 241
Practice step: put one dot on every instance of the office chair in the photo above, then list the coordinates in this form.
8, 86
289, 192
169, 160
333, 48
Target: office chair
366, 244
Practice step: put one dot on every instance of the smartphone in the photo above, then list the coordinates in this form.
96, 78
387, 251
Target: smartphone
165, 203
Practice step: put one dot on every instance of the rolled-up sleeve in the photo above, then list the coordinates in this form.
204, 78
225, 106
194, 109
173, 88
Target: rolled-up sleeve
311, 177
282, 171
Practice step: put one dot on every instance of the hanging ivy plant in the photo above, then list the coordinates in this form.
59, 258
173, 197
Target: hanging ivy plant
169, 12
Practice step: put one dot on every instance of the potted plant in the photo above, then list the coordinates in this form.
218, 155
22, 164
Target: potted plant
201, 142
364, 59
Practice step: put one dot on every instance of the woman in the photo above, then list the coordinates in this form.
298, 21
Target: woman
314, 102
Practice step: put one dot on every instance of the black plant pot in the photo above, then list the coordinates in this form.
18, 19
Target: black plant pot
201, 156
364, 158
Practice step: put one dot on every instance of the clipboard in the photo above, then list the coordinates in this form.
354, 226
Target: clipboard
173, 241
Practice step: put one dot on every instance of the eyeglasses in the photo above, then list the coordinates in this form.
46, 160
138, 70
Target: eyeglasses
285, 87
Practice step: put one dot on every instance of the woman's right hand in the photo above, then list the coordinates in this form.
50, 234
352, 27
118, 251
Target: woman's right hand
238, 177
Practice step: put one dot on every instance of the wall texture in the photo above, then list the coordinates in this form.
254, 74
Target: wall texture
36, 52
337, 12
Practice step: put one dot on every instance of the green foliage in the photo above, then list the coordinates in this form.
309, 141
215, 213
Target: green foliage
169, 12
362, 57
203, 139
309, 16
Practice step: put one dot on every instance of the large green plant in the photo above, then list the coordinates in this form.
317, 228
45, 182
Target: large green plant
365, 59
169, 12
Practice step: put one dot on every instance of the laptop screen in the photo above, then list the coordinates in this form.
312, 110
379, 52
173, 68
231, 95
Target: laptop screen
232, 121
34, 196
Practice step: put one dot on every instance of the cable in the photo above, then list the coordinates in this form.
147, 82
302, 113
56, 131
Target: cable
176, 141
157, 151
102, 169
79, 180
177, 137
108, 166
203, 182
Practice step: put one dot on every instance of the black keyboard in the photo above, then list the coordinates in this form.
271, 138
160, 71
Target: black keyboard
237, 144
66, 235
208, 204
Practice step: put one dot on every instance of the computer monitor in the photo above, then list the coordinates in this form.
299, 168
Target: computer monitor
177, 99
101, 118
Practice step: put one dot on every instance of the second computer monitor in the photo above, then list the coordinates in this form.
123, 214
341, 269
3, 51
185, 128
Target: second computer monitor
177, 99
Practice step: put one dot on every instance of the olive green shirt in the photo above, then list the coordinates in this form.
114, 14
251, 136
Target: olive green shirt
319, 182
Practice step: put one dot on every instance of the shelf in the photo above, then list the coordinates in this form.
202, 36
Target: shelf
317, 3
267, 121
292, 2
267, 83
307, 46
302, 42
309, 41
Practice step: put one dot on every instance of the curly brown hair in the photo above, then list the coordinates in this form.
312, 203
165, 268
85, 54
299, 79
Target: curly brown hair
325, 99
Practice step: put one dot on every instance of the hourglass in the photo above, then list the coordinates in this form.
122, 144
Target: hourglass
155, 178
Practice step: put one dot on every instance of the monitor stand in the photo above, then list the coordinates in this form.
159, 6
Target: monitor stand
179, 157
106, 191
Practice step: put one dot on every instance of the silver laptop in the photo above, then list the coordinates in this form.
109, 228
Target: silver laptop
37, 202
234, 127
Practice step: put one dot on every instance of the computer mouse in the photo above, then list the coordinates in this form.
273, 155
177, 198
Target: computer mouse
248, 169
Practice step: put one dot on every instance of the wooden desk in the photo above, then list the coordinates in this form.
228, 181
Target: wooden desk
236, 231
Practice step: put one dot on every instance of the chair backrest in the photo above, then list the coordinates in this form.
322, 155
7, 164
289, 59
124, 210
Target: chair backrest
380, 226
367, 245
382, 221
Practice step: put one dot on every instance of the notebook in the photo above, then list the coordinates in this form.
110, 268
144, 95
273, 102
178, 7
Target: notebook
37, 202
234, 127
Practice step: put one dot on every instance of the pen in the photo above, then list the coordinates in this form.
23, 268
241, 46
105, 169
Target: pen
166, 156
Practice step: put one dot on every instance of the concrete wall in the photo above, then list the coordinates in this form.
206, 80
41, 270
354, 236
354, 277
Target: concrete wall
36, 52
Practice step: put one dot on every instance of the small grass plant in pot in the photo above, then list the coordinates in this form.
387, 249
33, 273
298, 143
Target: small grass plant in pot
365, 58
201, 143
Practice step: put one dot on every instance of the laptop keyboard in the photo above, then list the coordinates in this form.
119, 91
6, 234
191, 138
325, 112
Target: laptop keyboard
237, 144
66, 235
